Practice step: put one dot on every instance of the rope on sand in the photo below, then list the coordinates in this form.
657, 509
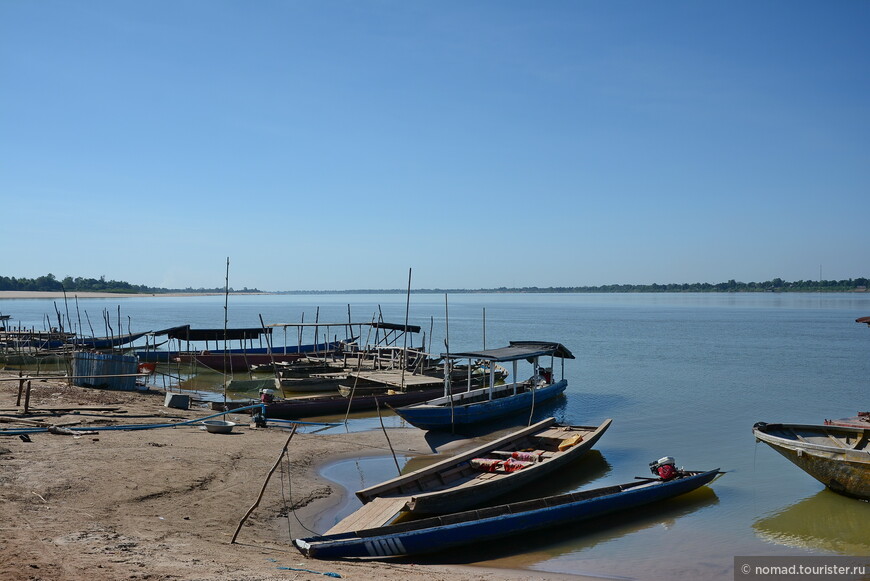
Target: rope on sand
336, 575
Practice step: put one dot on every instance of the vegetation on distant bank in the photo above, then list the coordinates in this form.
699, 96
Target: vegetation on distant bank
71, 285
775, 285
49, 283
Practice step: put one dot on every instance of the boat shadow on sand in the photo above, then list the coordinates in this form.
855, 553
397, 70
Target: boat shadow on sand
526, 551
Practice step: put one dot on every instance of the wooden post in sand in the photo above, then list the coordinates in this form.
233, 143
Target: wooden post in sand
27, 397
262, 490
20, 388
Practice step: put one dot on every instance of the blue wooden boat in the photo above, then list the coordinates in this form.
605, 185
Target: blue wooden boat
239, 358
229, 359
71, 340
466, 528
311, 406
473, 406
106, 342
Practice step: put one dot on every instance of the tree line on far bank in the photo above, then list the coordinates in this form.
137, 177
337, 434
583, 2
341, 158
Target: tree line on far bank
49, 283
775, 285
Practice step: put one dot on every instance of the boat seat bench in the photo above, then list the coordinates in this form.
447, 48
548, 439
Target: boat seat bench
448, 475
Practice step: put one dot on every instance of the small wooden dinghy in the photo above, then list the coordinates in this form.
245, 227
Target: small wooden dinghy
836, 456
490, 470
466, 528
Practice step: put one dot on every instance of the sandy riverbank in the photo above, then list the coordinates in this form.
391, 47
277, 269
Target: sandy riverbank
164, 503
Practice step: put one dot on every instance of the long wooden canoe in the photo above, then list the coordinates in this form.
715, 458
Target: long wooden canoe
836, 456
309, 406
467, 528
490, 470
481, 405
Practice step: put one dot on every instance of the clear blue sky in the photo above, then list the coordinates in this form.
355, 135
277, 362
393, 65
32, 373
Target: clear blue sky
335, 144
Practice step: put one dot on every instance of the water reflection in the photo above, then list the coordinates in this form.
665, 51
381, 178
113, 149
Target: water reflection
825, 522
527, 552
352, 475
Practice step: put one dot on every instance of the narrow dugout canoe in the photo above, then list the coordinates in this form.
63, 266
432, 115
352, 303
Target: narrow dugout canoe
466, 528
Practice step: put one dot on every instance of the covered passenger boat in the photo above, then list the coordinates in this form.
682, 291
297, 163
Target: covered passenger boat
468, 406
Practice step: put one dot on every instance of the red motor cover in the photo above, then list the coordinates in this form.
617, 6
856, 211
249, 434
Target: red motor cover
667, 471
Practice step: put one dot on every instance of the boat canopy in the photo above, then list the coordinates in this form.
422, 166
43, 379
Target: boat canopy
396, 326
374, 325
515, 351
185, 333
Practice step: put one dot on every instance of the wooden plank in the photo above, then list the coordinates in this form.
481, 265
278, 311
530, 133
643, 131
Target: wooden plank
378, 512
559, 433
394, 378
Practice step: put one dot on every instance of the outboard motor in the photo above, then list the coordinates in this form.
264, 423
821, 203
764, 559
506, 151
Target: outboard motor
665, 468
547, 374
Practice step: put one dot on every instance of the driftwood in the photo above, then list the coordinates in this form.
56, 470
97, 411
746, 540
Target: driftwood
262, 490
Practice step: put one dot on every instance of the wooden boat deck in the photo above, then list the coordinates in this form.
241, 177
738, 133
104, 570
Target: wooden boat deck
377, 513
822, 437
393, 378
383, 510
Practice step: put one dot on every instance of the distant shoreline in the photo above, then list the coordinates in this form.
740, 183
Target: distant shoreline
90, 295
104, 295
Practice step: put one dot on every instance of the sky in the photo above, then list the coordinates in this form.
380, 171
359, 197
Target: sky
333, 145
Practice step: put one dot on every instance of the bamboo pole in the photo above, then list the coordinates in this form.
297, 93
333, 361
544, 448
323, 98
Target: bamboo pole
265, 483
359, 364
79, 315
389, 443
20, 388
271, 356
448, 386
226, 316
404, 359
